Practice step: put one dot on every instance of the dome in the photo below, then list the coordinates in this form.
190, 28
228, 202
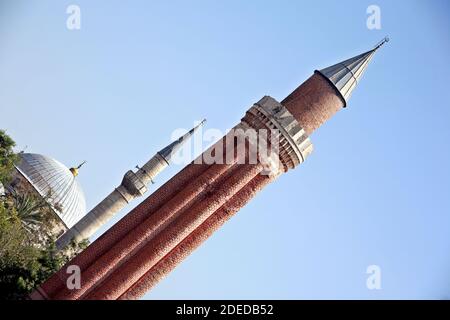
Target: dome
56, 183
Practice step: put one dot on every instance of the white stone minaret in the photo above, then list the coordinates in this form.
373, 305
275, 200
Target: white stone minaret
134, 184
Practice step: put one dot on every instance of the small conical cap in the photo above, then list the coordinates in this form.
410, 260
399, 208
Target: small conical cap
172, 148
345, 75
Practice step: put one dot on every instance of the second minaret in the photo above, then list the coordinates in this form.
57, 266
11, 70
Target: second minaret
134, 184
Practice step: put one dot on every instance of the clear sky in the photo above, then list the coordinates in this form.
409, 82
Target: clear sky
374, 192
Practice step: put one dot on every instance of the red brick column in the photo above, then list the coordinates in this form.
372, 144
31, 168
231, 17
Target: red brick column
144, 232
196, 238
313, 103
128, 274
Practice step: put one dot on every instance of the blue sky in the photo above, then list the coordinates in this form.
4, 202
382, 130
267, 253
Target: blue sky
374, 192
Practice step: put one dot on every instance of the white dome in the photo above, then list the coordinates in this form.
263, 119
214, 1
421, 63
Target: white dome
55, 183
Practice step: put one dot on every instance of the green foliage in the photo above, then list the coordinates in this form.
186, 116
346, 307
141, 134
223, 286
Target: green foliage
28, 209
18, 259
7, 156
24, 262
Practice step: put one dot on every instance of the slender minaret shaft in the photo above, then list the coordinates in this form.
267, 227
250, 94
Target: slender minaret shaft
134, 184
196, 238
131, 257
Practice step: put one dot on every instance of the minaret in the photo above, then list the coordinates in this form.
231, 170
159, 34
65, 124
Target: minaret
134, 184
149, 242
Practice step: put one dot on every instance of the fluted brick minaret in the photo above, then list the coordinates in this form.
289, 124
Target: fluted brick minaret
159, 233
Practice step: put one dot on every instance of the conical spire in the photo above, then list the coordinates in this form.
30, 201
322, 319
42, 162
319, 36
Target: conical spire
172, 148
345, 75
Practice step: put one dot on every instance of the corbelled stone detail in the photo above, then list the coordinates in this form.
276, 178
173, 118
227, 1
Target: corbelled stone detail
133, 184
294, 144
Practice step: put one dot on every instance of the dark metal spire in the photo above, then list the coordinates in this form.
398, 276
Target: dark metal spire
172, 148
345, 75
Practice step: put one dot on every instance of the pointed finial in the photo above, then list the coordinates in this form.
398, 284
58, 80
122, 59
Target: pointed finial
74, 170
172, 148
23, 150
381, 43
81, 164
196, 127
